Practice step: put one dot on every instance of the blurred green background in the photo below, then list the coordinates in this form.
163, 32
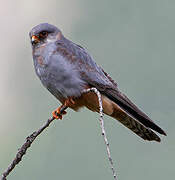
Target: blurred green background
134, 42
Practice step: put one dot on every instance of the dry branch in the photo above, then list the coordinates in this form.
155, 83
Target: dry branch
22, 150
29, 140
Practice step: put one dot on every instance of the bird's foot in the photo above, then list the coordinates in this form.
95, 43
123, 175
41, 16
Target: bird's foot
57, 114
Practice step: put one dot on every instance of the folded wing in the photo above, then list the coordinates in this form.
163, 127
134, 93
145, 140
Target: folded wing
95, 76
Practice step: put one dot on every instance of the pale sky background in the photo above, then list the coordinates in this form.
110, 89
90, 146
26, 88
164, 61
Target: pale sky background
134, 42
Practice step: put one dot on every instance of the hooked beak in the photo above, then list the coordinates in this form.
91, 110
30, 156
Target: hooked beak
35, 39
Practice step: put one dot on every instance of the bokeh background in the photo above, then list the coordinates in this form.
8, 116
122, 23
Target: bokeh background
134, 41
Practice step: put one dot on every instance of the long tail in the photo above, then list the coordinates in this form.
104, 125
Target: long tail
132, 117
135, 126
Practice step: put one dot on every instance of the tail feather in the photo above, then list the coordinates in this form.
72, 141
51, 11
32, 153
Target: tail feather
135, 126
121, 100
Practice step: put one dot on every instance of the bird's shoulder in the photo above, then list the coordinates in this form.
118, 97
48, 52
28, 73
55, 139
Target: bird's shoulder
79, 56
74, 52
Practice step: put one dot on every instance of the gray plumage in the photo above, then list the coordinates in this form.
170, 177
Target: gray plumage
57, 75
66, 68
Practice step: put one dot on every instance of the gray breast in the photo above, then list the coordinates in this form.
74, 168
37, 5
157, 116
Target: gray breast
57, 74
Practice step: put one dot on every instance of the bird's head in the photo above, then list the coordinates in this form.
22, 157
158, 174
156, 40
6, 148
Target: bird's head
43, 33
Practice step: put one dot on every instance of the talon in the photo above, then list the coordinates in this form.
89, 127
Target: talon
57, 114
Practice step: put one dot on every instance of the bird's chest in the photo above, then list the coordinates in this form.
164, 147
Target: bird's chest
56, 73
40, 59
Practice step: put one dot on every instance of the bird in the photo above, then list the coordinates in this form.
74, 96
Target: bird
66, 70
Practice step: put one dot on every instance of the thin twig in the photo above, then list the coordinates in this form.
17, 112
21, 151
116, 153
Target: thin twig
22, 150
103, 129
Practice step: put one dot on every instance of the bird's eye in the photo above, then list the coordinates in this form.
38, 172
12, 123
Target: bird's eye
43, 34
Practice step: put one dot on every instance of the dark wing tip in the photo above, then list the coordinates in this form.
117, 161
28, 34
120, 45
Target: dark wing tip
153, 126
164, 133
134, 111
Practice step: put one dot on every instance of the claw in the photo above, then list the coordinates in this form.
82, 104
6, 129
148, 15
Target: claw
57, 114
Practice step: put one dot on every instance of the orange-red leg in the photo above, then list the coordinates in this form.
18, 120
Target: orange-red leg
57, 114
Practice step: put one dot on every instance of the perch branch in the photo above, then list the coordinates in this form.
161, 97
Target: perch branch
29, 140
22, 150
103, 129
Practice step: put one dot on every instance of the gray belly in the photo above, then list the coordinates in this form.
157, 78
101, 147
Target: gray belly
60, 77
